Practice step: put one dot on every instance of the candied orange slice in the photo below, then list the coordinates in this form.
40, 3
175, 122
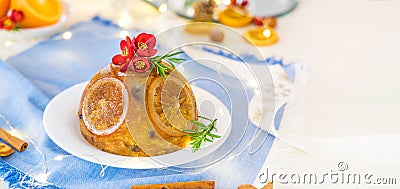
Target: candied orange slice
4, 7
235, 17
199, 28
5, 150
105, 106
38, 13
170, 103
261, 36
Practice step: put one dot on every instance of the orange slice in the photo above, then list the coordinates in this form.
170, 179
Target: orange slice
199, 28
235, 17
5, 150
261, 36
4, 4
170, 103
38, 13
104, 107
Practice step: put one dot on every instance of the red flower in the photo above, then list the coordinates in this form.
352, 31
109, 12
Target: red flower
127, 49
6, 23
136, 53
144, 45
140, 64
16, 16
10, 22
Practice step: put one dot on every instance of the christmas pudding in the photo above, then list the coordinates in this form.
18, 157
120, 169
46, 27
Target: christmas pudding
139, 105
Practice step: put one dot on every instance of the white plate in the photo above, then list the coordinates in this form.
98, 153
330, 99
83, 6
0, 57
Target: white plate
40, 31
61, 123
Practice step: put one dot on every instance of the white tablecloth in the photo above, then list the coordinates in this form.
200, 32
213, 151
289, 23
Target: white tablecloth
350, 52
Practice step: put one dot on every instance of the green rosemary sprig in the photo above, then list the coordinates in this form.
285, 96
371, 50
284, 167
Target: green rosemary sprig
203, 133
169, 58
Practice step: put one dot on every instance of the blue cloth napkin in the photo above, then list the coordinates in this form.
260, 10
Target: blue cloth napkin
29, 80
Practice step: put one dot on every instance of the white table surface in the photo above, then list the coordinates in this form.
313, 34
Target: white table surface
349, 48
350, 51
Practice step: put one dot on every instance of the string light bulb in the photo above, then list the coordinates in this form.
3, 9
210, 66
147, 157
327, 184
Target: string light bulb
163, 8
267, 33
67, 35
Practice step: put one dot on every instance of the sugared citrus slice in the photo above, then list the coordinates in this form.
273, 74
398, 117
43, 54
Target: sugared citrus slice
4, 7
199, 28
105, 106
5, 150
261, 36
170, 103
235, 17
38, 13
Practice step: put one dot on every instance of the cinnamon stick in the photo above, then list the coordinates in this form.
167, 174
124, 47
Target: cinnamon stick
268, 186
13, 141
178, 185
246, 186
249, 186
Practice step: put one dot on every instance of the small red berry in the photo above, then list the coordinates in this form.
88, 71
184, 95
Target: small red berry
258, 21
244, 3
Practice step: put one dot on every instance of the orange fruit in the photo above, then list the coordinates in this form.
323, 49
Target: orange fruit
38, 13
199, 28
5, 150
4, 4
170, 104
105, 106
260, 36
98, 125
235, 17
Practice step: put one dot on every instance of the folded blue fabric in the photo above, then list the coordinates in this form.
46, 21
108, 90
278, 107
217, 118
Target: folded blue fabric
33, 77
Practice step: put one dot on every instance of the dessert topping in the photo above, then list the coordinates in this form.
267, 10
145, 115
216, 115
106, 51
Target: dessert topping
138, 53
